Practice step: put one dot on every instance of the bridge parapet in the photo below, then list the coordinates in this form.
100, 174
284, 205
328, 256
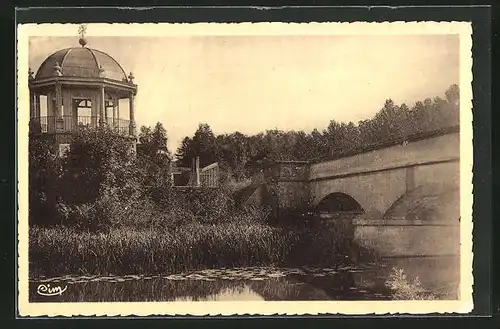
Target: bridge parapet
442, 148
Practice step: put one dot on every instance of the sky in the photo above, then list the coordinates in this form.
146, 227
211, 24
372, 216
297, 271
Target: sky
252, 83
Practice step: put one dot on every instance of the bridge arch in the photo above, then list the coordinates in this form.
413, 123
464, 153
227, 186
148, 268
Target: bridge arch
429, 202
375, 192
339, 202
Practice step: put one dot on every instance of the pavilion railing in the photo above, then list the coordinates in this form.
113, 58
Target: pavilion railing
68, 123
121, 126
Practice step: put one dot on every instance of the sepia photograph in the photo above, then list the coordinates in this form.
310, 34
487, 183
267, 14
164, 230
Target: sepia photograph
245, 168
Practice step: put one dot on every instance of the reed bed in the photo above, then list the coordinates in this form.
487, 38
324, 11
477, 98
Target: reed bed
61, 250
56, 251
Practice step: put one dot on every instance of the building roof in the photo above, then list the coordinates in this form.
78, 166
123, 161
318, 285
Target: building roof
82, 62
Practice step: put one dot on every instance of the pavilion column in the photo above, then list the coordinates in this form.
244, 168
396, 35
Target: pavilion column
50, 120
32, 105
58, 101
58, 109
114, 112
106, 109
50, 107
132, 117
102, 107
118, 108
35, 119
37, 106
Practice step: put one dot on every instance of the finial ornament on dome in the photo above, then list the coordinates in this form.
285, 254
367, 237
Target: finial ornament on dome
81, 31
57, 70
131, 78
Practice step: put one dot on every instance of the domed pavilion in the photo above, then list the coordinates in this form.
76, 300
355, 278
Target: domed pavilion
83, 87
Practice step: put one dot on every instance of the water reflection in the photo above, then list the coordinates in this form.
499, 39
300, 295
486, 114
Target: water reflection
238, 293
249, 284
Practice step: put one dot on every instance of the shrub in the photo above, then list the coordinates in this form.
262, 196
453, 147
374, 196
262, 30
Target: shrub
97, 158
207, 205
91, 188
404, 289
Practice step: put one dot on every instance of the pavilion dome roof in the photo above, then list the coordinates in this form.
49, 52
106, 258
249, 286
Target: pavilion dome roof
81, 62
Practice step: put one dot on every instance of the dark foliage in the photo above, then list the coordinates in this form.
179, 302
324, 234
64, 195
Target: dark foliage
44, 182
98, 185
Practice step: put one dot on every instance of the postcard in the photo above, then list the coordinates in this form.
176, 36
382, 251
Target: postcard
244, 169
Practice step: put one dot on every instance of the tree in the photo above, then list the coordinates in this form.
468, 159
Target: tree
154, 162
185, 152
352, 136
453, 95
452, 107
319, 143
418, 117
332, 136
233, 151
385, 122
404, 120
303, 148
154, 145
202, 145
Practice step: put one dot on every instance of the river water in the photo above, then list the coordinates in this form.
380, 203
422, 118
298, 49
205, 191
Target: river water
254, 283
360, 282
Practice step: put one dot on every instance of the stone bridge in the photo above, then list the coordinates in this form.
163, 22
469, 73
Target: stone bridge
407, 187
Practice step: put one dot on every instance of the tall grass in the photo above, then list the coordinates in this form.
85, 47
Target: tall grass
61, 250
56, 251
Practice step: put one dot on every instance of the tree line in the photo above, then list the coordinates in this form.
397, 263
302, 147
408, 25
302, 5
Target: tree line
241, 155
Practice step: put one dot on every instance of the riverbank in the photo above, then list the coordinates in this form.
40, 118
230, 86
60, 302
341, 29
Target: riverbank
57, 251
